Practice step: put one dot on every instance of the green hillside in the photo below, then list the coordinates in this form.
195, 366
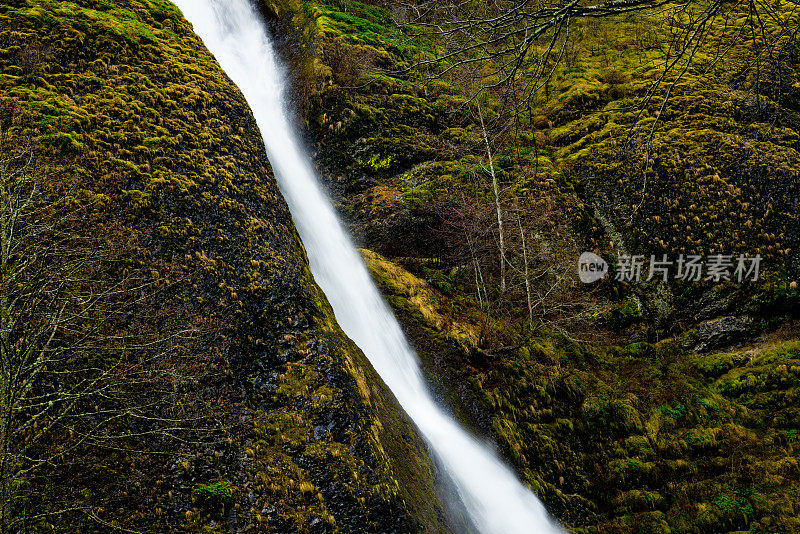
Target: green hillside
613, 419
204, 384
133, 120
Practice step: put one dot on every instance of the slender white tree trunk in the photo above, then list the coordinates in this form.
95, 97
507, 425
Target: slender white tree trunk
6, 225
498, 209
478, 275
527, 275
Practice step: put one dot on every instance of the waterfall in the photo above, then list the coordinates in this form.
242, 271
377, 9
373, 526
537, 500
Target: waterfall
497, 503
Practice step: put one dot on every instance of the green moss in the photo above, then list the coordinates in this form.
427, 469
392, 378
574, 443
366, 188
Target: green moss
136, 117
216, 496
640, 437
619, 439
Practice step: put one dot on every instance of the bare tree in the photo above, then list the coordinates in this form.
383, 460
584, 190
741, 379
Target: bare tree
513, 48
539, 255
526, 272
498, 208
79, 365
465, 225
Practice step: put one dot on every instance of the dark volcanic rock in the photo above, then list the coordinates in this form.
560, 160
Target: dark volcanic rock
129, 107
719, 333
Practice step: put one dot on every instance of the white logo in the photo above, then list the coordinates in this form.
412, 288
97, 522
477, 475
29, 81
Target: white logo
591, 267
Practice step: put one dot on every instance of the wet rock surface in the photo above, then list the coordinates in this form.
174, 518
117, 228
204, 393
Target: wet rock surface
306, 437
720, 333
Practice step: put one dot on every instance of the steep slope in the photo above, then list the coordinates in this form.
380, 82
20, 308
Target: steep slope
614, 436
643, 437
398, 144
129, 110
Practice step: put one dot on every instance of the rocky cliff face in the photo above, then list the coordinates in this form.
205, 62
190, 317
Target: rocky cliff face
131, 113
673, 412
678, 415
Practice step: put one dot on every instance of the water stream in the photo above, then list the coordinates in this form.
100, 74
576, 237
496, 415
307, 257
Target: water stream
496, 502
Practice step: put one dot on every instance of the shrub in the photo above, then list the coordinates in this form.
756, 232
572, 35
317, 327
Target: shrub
216, 496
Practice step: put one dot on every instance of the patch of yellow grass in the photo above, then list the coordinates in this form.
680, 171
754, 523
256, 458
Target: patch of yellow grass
422, 298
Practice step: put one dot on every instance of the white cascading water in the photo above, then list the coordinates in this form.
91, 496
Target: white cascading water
497, 503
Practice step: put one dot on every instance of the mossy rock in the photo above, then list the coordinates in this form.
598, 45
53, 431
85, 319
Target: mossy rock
134, 114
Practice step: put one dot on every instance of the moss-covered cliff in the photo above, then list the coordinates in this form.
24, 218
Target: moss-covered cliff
397, 143
284, 426
615, 436
640, 438
130, 111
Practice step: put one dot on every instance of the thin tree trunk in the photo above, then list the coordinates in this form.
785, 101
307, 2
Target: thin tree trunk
498, 209
6, 208
527, 276
478, 276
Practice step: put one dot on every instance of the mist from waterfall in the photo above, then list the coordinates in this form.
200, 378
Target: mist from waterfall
496, 502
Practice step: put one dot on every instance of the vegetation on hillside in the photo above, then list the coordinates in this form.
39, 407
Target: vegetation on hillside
632, 431
272, 420
222, 396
